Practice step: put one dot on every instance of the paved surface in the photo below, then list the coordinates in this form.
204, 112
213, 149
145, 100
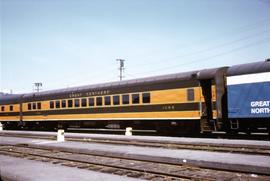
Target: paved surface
217, 159
18, 169
153, 138
181, 155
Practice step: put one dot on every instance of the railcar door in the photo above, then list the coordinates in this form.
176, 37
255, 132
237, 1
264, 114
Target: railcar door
206, 105
213, 113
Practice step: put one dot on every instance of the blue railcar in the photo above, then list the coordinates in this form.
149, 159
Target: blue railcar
249, 95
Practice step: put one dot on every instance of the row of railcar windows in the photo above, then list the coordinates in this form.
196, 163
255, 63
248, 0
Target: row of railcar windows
3, 108
98, 101
34, 105
101, 100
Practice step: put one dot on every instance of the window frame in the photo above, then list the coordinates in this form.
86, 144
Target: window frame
34, 106
39, 105
29, 106
116, 102
146, 100
99, 101
77, 102
63, 103
107, 101
91, 101
70, 103
190, 94
83, 102
137, 98
52, 104
57, 104
11, 108
124, 102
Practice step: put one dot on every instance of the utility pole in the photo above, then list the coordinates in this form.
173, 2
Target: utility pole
37, 86
121, 68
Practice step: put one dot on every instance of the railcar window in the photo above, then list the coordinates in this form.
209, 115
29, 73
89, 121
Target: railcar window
99, 101
34, 105
116, 100
57, 104
107, 100
125, 99
135, 98
83, 103
10, 108
64, 103
29, 106
77, 102
39, 105
146, 97
52, 104
91, 101
70, 103
190, 94
3, 108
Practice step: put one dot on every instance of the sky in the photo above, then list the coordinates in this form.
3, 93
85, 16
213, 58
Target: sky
66, 43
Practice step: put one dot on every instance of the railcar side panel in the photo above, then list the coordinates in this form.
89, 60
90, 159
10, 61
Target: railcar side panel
249, 96
163, 103
118, 116
10, 112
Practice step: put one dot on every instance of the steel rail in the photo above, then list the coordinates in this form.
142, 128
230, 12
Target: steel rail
150, 170
215, 147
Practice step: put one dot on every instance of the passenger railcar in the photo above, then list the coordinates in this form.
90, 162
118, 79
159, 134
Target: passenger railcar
189, 102
249, 97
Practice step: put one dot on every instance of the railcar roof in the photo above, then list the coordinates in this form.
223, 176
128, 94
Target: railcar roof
209, 73
132, 82
9, 98
200, 74
249, 68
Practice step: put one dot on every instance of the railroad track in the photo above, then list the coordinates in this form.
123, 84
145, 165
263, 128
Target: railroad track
231, 148
220, 134
121, 165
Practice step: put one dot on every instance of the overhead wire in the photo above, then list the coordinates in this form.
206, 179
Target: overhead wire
242, 29
255, 35
266, 40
